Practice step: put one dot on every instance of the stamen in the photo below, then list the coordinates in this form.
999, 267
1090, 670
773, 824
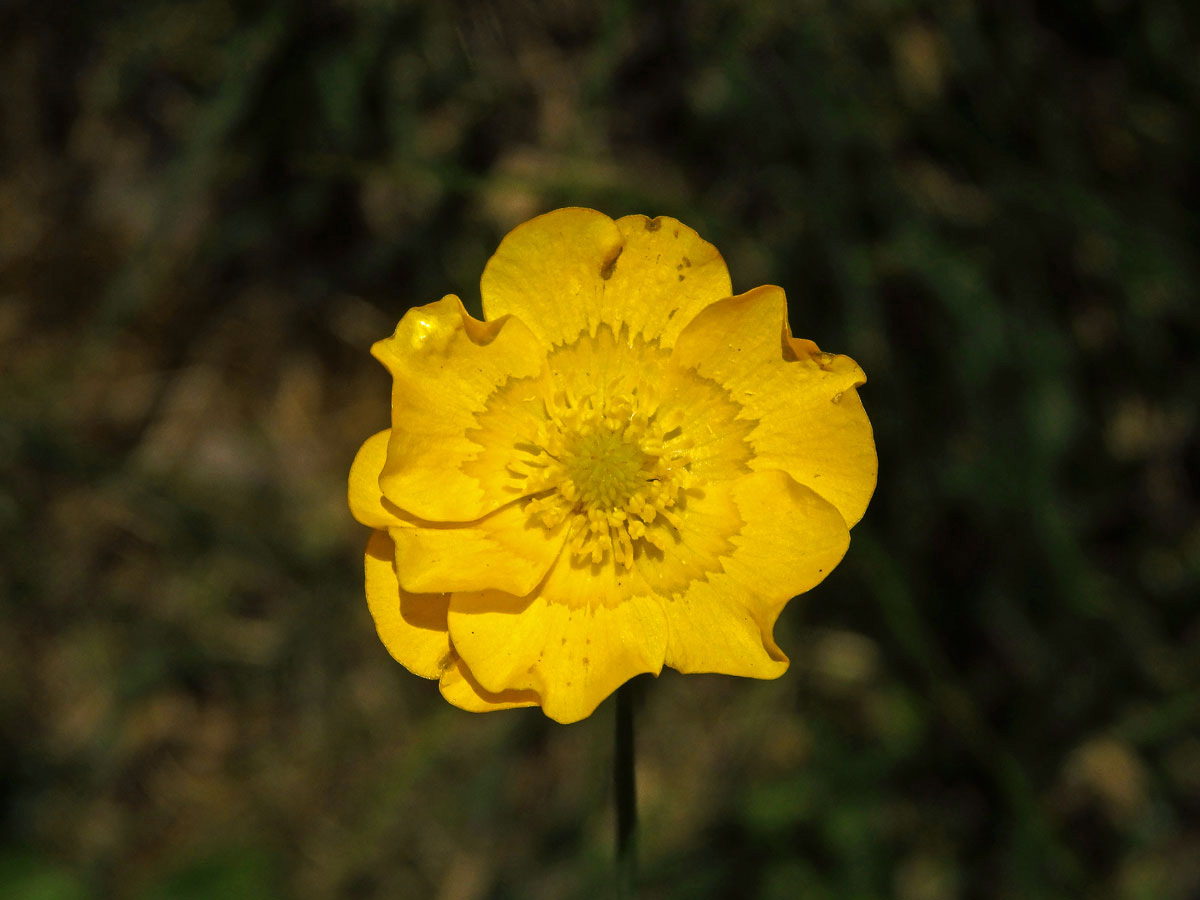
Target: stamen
603, 461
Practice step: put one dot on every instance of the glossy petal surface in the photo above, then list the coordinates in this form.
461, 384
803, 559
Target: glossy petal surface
789, 540
502, 550
808, 419
460, 688
568, 641
445, 365
505, 553
571, 270
364, 495
411, 626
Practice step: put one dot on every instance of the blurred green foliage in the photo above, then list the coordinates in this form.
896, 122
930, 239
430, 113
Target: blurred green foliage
210, 209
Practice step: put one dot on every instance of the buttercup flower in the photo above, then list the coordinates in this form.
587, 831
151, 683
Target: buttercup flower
622, 467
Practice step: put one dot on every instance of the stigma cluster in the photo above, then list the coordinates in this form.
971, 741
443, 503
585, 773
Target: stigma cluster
611, 468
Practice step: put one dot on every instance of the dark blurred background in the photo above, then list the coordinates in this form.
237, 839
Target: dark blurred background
210, 209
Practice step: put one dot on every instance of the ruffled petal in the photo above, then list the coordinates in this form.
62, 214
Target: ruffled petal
413, 629
573, 641
445, 365
411, 626
460, 688
364, 494
810, 422
571, 270
788, 541
504, 551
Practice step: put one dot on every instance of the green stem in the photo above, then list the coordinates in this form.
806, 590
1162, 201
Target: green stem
626, 792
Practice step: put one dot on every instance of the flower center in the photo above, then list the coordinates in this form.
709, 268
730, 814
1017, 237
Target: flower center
601, 463
621, 454
604, 467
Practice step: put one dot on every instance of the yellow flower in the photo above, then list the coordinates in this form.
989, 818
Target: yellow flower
622, 467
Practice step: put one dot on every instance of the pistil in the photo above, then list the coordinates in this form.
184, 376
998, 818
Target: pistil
603, 463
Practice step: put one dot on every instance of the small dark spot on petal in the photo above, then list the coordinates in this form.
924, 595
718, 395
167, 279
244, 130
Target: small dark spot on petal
607, 269
687, 262
654, 225
681, 277
676, 232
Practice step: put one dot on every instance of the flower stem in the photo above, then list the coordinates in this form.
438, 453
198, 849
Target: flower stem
626, 792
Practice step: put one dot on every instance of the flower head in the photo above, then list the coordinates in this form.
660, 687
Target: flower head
622, 467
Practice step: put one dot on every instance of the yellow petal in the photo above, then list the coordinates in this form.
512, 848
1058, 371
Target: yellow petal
710, 425
571, 270
571, 641
504, 551
606, 364
706, 520
666, 274
445, 365
411, 626
364, 495
810, 422
789, 540
460, 688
